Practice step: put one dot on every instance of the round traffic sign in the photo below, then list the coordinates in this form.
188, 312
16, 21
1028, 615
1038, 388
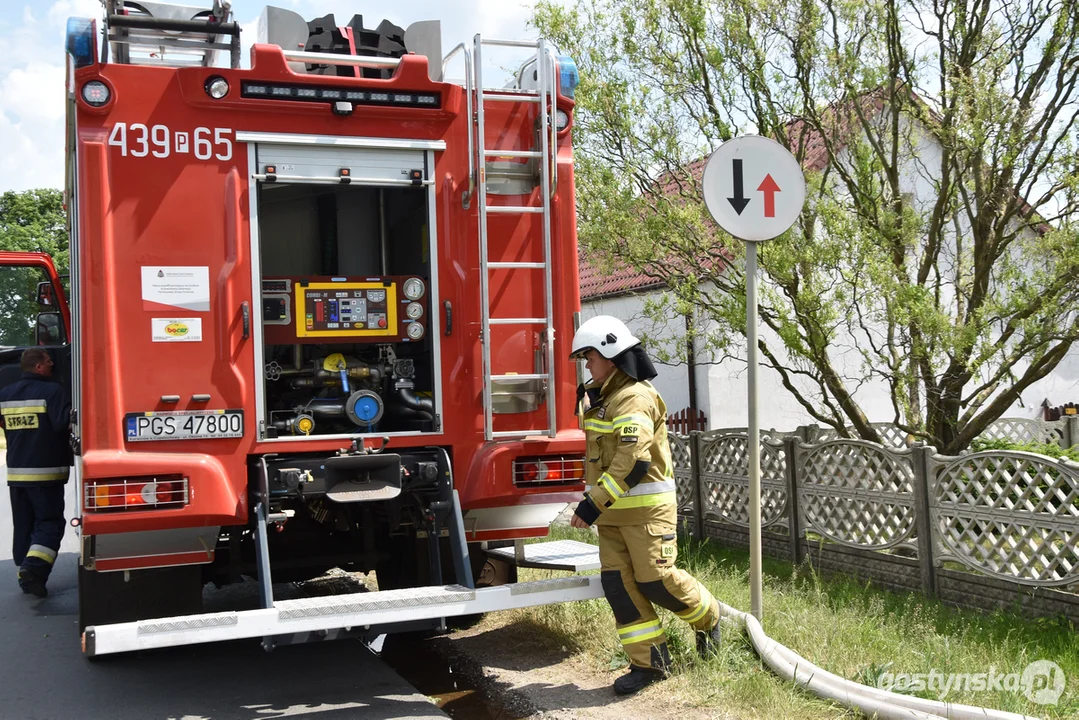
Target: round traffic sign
754, 188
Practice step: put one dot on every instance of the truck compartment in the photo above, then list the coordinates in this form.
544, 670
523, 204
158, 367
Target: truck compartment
346, 308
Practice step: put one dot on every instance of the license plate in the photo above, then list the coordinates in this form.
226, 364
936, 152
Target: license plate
184, 425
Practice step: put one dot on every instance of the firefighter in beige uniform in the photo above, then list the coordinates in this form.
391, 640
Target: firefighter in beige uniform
632, 502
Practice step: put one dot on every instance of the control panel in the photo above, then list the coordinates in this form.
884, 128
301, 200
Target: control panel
322, 309
346, 309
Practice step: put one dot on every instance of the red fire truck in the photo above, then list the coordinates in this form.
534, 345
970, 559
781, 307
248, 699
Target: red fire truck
321, 310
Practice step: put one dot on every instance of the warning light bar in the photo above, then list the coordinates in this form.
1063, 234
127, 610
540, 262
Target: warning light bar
309, 93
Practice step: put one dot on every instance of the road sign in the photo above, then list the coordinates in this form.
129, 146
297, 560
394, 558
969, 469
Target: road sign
754, 188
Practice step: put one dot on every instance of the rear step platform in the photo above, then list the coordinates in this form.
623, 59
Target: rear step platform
333, 612
557, 555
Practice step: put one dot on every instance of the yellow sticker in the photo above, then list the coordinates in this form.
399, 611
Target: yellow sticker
21, 422
177, 329
630, 429
668, 551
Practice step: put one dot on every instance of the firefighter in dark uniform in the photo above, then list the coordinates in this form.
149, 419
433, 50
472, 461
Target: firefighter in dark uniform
35, 414
632, 502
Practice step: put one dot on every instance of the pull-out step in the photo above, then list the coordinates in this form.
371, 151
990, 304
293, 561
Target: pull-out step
557, 555
357, 610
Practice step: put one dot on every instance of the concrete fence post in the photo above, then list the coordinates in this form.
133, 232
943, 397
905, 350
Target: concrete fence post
1071, 431
794, 511
920, 457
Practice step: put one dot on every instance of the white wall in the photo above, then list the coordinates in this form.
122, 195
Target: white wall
673, 379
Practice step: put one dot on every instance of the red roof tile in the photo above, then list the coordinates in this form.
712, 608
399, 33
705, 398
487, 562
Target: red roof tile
603, 276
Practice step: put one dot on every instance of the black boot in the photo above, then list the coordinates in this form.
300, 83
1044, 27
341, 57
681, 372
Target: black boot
708, 642
31, 584
637, 679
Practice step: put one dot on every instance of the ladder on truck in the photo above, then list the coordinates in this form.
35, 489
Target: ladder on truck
543, 97
164, 33
364, 614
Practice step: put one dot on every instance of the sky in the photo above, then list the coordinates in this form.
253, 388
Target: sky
32, 74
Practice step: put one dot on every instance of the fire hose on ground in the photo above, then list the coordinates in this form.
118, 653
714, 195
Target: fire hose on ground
873, 702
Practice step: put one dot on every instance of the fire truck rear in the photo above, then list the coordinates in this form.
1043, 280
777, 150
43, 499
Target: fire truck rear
321, 314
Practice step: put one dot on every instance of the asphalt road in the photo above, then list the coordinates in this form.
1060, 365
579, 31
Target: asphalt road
44, 676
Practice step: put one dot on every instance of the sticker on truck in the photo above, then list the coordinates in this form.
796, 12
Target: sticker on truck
176, 329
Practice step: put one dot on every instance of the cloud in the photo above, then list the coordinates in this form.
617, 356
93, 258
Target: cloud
32, 93
63, 9
29, 94
28, 157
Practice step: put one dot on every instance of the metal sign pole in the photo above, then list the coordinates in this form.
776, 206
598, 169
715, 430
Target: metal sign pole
753, 436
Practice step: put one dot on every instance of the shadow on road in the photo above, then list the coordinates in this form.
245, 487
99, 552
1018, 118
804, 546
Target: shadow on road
47, 677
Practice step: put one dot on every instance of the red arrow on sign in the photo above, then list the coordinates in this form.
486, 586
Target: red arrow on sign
769, 188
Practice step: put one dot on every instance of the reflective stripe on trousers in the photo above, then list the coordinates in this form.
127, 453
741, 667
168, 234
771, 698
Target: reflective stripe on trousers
42, 553
692, 615
639, 632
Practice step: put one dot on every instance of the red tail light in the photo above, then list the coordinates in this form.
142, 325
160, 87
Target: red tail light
548, 470
138, 493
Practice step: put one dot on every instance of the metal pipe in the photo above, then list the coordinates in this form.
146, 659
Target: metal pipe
382, 231
754, 436
413, 401
481, 216
554, 121
326, 408
151, 23
297, 356
545, 69
320, 58
449, 56
337, 180
466, 201
511, 43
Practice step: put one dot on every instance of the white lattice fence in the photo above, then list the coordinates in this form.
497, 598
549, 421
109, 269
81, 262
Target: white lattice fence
683, 470
857, 493
890, 434
724, 469
1023, 430
893, 436
1011, 515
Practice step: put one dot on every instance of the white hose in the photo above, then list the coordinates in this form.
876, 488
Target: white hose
871, 701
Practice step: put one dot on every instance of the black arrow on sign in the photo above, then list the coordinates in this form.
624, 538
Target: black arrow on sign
739, 201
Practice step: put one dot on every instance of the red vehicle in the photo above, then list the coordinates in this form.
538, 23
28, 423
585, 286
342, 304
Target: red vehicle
35, 312
322, 307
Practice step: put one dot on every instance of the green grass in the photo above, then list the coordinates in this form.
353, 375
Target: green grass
849, 628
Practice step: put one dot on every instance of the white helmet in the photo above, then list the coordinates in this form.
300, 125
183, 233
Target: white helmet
608, 335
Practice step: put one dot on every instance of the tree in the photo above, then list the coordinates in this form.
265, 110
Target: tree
33, 220
938, 253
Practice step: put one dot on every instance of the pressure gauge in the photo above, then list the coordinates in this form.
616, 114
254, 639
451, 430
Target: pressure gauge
415, 331
414, 310
413, 288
